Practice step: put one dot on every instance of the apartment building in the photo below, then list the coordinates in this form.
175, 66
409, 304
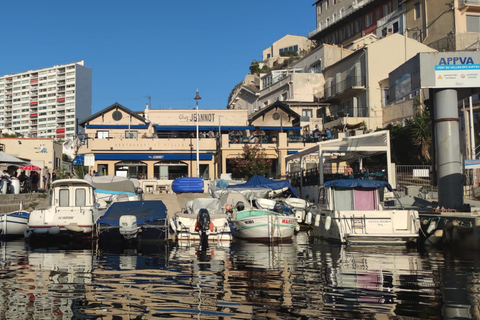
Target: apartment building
343, 22
444, 25
46, 103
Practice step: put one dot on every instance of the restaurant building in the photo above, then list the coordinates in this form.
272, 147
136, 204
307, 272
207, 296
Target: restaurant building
162, 144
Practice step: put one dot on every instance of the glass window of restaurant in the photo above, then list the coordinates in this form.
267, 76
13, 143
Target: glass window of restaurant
170, 170
131, 169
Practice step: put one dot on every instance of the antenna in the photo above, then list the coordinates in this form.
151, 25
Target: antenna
149, 101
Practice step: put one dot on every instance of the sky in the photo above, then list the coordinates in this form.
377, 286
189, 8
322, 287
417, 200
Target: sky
158, 48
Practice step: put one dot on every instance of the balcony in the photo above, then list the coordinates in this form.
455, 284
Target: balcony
343, 90
356, 5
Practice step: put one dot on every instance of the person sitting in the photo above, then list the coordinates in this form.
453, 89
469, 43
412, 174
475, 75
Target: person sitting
328, 134
348, 171
316, 133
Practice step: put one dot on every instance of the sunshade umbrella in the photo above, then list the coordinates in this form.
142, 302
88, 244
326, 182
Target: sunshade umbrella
9, 159
30, 167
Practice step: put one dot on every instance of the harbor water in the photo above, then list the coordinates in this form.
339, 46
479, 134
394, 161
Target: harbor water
305, 279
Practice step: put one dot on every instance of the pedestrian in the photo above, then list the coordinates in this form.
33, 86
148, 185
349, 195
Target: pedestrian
54, 175
34, 180
46, 180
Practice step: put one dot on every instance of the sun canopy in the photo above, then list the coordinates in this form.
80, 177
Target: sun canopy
347, 149
260, 182
8, 158
358, 183
144, 211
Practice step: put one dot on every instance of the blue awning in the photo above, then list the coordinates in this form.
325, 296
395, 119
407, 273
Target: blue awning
96, 126
201, 128
152, 156
280, 128
78, 160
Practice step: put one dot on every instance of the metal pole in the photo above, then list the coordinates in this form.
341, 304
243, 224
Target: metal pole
472, 141
197, 97
447, 141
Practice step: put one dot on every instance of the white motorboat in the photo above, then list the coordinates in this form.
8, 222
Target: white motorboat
13, 224
73, 210
355, 214
185, 222
266, 222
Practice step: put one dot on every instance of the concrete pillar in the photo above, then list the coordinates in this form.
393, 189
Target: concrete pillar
447, 143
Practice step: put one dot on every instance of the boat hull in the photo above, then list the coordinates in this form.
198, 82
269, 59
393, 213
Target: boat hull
367, 227
185, 227
264, 226
13, 224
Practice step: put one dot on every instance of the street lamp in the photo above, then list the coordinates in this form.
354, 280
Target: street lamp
197, 97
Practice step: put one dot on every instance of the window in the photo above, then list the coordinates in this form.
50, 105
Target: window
63, 198
307, 113
416, 10
101, 135
317, 67
131, 134
80, 197
473, 23
387, 9
368, 20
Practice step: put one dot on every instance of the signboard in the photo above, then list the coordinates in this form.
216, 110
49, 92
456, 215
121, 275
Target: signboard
89, 160
456, 71
472, 164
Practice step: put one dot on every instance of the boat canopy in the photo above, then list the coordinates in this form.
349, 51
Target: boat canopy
144, 211
358, 183
260, 182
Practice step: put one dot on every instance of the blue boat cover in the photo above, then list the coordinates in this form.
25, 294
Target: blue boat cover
358, 183
261, 182
187, 184
145, 211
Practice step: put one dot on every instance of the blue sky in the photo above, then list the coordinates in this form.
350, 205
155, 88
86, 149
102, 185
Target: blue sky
158, 48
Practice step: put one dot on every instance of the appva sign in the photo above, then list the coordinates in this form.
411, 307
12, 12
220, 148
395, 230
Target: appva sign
456, 60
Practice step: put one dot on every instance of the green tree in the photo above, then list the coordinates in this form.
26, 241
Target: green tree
420, 129
252, 161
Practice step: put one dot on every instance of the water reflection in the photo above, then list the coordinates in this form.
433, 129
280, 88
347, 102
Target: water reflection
244, 280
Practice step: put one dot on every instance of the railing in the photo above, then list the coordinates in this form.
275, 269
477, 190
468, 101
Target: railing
357, 4
469, 2
339, 87
414, 175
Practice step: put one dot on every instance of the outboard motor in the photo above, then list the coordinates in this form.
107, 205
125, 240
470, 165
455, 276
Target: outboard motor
202, 226
128, 227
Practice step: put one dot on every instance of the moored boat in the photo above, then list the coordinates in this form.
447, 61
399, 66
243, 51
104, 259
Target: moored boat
133, 221
355, 214
73, 211
259, 224
13, 224
185, 222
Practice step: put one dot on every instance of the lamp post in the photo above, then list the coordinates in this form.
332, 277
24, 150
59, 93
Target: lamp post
191, 156
197, 97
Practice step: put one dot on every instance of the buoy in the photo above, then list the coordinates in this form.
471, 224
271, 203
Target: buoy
317, 220
328, 222
432, 226
309, 218
172, 225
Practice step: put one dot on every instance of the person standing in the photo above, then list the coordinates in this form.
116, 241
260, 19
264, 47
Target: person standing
34, 181
46, 180
54, 175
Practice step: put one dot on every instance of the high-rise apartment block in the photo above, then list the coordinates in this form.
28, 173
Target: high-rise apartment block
46, 102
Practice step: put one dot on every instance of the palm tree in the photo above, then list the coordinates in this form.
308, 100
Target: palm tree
420, 129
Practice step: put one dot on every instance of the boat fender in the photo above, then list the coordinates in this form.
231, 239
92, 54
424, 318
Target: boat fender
309, 218
210, 226
173, 225
432, 226
317, 220
54, 230
196, 226
27, 233
232, 229
328, 223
